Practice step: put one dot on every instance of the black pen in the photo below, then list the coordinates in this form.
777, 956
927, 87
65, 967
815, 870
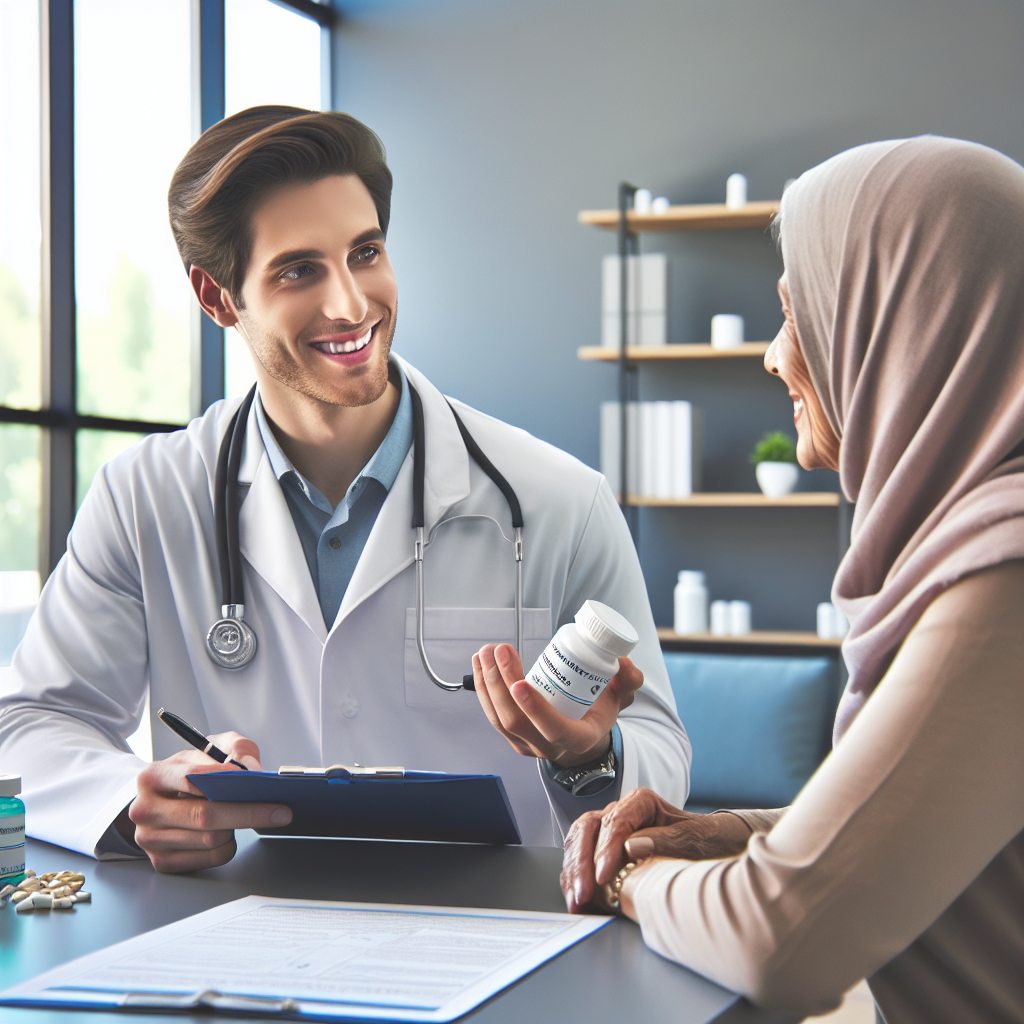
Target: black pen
196, 738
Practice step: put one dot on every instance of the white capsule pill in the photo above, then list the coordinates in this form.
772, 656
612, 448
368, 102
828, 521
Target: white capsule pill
63, 904
83, 897
24, 906
42, 901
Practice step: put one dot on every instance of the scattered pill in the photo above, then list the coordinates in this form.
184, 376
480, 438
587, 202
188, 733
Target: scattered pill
53, 890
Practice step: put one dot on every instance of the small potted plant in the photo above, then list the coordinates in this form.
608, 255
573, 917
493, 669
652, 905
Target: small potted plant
774, 459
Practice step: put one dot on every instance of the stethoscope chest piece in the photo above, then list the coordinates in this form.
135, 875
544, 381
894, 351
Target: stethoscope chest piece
231, 642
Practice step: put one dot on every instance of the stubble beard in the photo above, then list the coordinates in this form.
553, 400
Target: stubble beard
361, 386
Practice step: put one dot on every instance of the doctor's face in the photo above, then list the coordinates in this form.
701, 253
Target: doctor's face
319, 300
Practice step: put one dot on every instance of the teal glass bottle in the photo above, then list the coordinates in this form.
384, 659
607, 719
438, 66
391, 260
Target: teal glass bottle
12, 831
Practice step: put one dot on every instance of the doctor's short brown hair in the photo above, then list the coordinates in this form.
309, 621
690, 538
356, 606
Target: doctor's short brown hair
234, 166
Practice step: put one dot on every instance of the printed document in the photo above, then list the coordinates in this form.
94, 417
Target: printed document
316, 959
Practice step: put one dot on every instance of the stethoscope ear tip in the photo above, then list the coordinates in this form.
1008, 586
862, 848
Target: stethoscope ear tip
468, 682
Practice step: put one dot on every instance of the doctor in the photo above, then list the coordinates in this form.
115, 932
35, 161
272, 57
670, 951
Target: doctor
280, 217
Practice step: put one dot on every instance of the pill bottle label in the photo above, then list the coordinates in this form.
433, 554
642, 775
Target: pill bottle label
569, 687
12, 847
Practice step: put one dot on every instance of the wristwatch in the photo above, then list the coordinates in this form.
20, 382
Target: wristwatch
585, 779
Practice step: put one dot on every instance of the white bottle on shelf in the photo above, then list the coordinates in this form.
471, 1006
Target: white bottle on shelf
690, 601
719, 618
739, 618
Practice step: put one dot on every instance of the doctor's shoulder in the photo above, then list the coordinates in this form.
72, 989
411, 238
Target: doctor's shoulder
167, 469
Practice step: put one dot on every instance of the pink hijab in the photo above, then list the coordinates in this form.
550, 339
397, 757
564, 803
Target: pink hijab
905, 263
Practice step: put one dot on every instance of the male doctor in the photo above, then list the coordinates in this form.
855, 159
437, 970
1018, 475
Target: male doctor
280, 217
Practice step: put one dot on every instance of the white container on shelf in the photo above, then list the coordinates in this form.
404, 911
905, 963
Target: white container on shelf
739, 618
690, 603
719, 618
647, 304
832, 623
660, 205
735, 191
642, 200
777, 479
726, 331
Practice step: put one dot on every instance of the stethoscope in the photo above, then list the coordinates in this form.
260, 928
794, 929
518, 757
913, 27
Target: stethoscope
231, 642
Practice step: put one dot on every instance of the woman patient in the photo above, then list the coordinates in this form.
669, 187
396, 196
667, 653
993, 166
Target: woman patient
902, 860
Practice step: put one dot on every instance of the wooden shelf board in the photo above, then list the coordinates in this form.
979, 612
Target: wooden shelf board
741, 499
659, 353
775, 638
709, 217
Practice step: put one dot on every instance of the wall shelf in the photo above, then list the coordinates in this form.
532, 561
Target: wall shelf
741, 499
661, 353
706, 217
763, 638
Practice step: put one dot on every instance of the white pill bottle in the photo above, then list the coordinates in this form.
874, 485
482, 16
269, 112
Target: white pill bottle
582, 657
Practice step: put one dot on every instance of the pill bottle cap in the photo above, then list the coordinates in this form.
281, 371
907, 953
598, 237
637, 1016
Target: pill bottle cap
692, 577
607, 628
10, 785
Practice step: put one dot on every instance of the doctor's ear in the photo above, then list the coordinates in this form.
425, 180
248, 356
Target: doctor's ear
215, 300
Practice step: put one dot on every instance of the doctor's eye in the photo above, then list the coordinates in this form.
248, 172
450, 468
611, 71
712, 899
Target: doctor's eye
298, 273
365, 254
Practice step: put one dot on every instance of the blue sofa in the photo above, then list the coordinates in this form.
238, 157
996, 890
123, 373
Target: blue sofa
759, 725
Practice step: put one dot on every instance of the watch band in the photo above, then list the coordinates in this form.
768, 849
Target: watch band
586, 779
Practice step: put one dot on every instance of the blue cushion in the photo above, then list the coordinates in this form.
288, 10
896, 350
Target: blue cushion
759, 726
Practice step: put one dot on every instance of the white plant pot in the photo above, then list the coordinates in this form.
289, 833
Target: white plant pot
776, 479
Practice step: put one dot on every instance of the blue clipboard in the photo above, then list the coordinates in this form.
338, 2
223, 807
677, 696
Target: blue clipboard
418, 807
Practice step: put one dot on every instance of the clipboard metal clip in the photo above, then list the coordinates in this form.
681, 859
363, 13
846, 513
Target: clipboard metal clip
345, 771
209, 998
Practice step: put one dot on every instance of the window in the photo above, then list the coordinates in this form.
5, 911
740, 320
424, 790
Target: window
133, 301
100, 338
20, 333
270, 56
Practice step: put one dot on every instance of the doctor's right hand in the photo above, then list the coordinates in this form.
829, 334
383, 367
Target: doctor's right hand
177, 827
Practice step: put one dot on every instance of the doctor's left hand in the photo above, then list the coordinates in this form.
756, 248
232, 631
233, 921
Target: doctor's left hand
532, 725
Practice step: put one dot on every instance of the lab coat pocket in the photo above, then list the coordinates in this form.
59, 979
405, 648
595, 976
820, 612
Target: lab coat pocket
453, 635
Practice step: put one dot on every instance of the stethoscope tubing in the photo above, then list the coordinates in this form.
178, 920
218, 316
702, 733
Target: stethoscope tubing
229, 556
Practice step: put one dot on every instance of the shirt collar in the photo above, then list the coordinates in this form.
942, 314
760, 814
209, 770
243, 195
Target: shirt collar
383, 465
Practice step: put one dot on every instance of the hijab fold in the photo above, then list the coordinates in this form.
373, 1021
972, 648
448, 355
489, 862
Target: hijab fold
905, 264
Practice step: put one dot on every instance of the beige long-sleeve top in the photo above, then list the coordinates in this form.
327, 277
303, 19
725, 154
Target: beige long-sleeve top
902, 859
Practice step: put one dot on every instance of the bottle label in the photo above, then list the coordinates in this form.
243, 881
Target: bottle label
567, 685
12, 846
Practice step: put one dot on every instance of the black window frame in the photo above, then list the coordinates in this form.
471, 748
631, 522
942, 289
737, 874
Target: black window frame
58, 415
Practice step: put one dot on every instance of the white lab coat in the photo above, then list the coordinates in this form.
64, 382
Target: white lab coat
129, 606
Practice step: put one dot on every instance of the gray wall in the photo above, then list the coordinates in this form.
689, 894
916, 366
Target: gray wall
504, 118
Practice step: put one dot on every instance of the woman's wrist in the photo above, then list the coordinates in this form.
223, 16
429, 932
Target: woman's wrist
628, 888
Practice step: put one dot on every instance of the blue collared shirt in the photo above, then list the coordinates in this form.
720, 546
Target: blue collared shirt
333, 538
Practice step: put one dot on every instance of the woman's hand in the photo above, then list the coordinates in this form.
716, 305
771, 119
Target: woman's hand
636, 828
531, 725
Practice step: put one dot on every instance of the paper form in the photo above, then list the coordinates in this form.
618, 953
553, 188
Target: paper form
335, 959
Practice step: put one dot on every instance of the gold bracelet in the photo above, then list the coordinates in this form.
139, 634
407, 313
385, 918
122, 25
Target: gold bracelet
620, 880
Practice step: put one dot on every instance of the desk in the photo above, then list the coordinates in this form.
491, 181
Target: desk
611, 976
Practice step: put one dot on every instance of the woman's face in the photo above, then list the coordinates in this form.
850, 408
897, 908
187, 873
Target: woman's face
817, 446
